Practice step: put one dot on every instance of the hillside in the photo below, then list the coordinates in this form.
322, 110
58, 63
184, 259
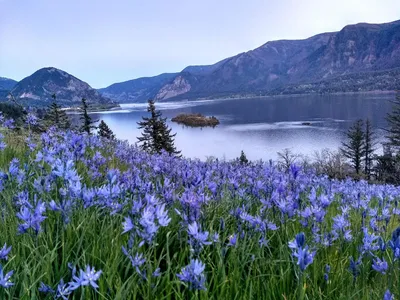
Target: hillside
346, 61
6, 83
37, 89
136, 90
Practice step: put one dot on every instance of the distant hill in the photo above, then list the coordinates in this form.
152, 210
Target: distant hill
6, 83
37, 89
137, 90
360, 57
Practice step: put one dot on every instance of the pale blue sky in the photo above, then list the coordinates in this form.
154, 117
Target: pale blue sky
103, 42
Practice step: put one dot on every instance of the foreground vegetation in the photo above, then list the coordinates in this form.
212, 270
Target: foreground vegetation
85, 217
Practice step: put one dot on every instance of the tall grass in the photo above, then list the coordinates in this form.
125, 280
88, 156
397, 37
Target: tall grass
93, 236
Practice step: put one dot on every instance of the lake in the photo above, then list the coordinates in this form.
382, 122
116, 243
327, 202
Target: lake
260, 126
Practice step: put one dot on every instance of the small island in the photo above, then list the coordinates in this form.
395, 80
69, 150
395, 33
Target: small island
195, 120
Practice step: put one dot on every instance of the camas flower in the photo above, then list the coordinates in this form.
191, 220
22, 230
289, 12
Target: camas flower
4, 252
379, 265
5, 279
85, 278
193, 275
388, 295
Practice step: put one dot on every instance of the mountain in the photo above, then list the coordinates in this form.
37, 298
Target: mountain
360, 57
37, 89
137, 90
6, 83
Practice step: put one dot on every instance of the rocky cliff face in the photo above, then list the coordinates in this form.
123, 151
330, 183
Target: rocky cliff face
41, 85
179, 86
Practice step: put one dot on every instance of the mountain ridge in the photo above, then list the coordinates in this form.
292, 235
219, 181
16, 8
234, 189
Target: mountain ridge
38, 88
277, 65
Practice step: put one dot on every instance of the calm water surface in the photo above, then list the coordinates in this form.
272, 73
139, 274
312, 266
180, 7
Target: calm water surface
260, 126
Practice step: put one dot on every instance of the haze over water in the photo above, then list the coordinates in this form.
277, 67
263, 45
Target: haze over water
260, 126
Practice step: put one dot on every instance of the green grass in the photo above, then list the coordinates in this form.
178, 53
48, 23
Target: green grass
243, 272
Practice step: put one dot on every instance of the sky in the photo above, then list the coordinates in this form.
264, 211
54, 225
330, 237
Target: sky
103, 42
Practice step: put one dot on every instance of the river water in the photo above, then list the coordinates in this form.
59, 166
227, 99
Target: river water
260, 126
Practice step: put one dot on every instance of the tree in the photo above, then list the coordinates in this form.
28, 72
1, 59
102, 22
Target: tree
369, 148
105, 131
55, 116
286, 158
156, 135
243, 159
87, 125
354, 148
393, 120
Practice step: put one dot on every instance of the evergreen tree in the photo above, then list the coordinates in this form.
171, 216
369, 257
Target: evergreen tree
369, 148
354, 148
393, 119
87, 125
55, 116
105, 131
156, 135
243, 159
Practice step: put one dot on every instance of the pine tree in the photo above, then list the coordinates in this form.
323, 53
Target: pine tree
354, 149
55, 116
87, 125
369, 148
393, 119
105, 131
156, 135
243, 159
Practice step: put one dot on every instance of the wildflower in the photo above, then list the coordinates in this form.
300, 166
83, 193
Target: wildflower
128, 225
232, 240
193, 275
304, 257
5, 279
298, 242
31, 218
85, 278
157, 273
136, 261
44, 288
197, 238
63, 290
388, 295
379, 265
354, 267
4, 252
31, 119
327, 271
9, 123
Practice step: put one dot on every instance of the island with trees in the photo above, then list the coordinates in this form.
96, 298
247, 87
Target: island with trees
195, 120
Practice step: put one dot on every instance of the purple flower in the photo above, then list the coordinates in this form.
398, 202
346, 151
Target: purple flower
355, 267
63, 290
193, 275
197, 239
232, 240
31, 119
4, 252
85, 278
127, 225
379, 265
9, 123
388, 295
298, 242
44, 288
304, 257
5, 279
